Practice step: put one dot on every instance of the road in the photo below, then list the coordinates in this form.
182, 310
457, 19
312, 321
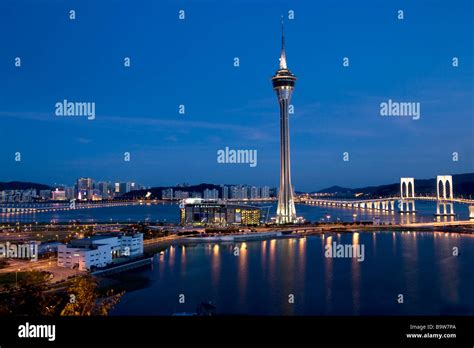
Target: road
48, 265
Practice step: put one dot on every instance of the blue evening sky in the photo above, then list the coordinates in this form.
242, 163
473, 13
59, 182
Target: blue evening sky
190, 62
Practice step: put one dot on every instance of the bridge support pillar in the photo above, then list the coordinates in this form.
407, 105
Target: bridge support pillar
442, 209
410, 205
471, 212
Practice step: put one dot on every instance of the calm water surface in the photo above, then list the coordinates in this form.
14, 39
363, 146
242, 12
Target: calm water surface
170, 213
419, 265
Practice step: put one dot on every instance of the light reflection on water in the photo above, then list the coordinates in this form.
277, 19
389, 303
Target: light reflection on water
355, 276
242, 272
419, 265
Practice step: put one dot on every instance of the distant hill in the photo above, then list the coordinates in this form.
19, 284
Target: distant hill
463, 184
19, 185
336, 189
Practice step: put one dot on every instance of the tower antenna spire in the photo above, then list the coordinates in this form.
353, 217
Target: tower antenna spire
282, 56
282, 33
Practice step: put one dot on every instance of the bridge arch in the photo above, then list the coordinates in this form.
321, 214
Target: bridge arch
444, 186
407, 188
440, 190
410, 190
447, 186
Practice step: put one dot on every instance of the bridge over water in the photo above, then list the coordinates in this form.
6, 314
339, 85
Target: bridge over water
405, 203
33, 208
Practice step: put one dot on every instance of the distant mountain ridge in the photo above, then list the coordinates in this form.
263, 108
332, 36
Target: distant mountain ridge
20, 185
463, 184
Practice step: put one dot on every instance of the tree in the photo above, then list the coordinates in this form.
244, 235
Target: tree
84, 299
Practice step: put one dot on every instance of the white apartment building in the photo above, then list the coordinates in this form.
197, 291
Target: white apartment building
132, 245
99, 251
84, 258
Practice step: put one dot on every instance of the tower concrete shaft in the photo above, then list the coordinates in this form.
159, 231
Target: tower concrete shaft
283, 84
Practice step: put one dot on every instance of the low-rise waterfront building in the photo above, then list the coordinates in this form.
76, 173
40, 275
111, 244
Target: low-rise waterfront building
99, 251
217, 212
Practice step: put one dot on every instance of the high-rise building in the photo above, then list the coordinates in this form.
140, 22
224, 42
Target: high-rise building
45, 194
235, 192
125, 187
283, 84
59, 194
225, 192
211, 194
167, 193
254, 194
265, 192
69, 191
244, 192
181, 194
238, 192
84, 188
195, 194
111, 189
85, 184
104, 189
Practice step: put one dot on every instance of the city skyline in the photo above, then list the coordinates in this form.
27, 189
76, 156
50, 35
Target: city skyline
187, 184
336, 108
